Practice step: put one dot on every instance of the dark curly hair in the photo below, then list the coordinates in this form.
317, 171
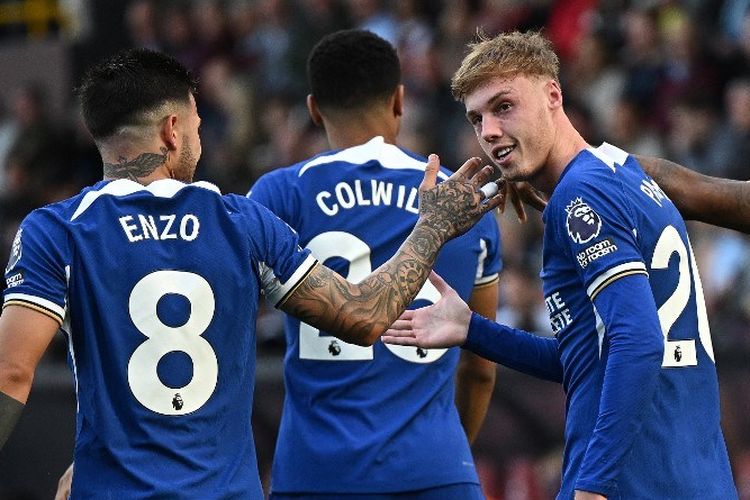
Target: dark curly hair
351, 69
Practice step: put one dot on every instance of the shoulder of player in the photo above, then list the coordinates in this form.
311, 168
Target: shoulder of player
591, 184
56, 211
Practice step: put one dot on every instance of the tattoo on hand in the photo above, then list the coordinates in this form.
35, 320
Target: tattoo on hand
451, 207
142, 166
355, 312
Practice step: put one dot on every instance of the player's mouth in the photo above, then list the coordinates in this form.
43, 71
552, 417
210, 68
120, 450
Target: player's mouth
501, 154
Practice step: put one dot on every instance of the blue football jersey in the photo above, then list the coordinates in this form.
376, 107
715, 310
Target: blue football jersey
606, 220
381, 418
157, 289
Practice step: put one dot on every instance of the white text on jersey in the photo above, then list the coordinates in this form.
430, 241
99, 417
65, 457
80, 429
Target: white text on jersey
141, 227
346, 196
559, 314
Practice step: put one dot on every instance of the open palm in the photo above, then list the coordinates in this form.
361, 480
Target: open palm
443, 324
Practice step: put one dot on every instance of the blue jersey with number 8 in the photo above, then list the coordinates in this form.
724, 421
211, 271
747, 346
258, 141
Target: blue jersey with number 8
157, 288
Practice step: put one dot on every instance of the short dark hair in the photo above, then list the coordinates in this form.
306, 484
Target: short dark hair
119, 90
350, 69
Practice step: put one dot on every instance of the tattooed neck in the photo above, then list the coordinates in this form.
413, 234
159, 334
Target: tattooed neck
139, 167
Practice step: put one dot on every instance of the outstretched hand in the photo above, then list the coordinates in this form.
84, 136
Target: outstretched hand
443, 324
453, 206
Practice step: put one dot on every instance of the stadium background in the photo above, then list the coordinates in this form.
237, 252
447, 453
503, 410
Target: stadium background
656, 77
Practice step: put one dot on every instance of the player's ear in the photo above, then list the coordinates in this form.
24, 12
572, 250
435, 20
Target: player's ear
312, 108
554, 94
398, 101
168, 132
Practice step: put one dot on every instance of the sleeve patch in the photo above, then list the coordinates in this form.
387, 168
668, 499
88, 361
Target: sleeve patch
583, 223
593, 252
16, 251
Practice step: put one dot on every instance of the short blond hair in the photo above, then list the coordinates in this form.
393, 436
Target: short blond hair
507, 54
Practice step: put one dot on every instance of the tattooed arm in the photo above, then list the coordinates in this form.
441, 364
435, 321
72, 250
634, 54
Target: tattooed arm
721, 202
359, 312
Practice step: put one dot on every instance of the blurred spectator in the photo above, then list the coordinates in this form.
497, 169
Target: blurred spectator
594, 78
227, 125
34, 172
372, 15
139, 17
631, 130
8, 133
693, 126
310, 20
521, 303
687, 66
568, 23
176, 34
731, 148
641, 56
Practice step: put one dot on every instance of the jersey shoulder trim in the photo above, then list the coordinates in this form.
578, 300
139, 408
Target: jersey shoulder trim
165, 188
486, 280
388, 155
613, 274
276, 291
44, 306
610, 155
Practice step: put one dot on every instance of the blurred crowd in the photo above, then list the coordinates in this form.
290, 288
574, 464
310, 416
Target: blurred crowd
654, 77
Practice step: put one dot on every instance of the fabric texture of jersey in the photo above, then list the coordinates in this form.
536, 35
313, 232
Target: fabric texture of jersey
381, 418
607, 220
157, 289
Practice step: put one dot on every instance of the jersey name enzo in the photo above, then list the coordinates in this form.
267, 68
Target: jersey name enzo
141, 227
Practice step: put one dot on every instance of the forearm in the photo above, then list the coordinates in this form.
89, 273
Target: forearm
516, 349
24, 335
10, 411
360, 312
475, 377
475, 381
721, 202
634, 358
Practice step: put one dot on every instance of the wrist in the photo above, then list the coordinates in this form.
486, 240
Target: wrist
430, 229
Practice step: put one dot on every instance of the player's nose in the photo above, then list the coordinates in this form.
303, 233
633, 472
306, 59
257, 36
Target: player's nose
491, 130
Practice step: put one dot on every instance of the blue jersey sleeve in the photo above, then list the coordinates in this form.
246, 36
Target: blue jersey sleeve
272, 191
635, 347
37, 272
283, 264
516, 349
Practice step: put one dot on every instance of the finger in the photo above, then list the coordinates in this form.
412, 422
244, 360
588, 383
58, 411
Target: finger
440, 284
517, 203
484, 175
401, 325
538, 201
504, 187
469, 168
407, 315
391, 339
430, 172
492, 202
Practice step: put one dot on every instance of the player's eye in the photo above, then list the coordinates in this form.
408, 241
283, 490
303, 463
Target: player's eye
503, 107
